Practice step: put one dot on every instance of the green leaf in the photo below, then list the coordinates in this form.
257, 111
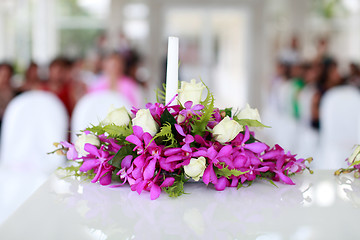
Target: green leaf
177, 189
115, 131
73, 170
97, 130
240, 185
119, 156
198, 126
160, 94
166, 117
228, 112
250, 122
226, 172
167, 136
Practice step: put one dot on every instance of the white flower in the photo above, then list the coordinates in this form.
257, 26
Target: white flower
355, 156
190, 92
144, 120
83, 139
226, 130
249, 113
180, 119
195, 169
119, 117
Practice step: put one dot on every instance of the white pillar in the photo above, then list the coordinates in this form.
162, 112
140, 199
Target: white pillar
23, 31
114, 25
7, 44
44, 35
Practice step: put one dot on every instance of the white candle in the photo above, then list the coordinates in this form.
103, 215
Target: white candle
172, 77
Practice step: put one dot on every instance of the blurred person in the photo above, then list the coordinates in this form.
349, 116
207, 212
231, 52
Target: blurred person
354, 76
307, 93
291, 54
281, 78
297, 84
78, 79
329, 78
114, 79
59, 81
323, 56
31, 79
133, 60
6, 91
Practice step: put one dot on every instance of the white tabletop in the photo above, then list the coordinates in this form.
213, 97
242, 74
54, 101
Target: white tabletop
319, 206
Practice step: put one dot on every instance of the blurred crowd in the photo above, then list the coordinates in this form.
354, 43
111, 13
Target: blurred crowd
299, 86
71, 79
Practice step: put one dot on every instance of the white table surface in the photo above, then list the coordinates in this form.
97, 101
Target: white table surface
319, 206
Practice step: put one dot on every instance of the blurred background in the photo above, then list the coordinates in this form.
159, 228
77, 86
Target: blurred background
297, 61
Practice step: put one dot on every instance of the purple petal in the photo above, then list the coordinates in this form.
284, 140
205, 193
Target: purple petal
140, 187
188, 104
172, 151
284, 178
138, 131
201, 140
139, 161
189, 139
106, 180
137, 173
262, 169
197, 107
155, 192
147, 139
92, 149
240, 161
247, 134
89, 164
134, 139
200, 153
66, 144
234, 182
174, 158
149, 170
225, 151
186, 148
72, 153
221, 184
209, 175
180, 130
168, 182
126, 162
211, 153
256, 147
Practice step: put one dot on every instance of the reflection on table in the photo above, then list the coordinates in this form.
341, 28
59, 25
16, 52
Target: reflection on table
320, 206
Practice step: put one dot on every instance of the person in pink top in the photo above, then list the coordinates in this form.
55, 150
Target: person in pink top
113, 78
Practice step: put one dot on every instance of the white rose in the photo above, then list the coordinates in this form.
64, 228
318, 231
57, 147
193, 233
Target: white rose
119, 117
82, 140
355, 156
249, 113
144, 120
190, 92
195, 169
226, 130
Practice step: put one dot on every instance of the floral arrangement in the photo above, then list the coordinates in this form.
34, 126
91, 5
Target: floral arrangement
354, 163
163, 146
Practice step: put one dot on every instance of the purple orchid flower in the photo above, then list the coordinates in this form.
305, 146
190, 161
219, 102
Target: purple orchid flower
191, 110
188, 139
97, 159
241, 139
71, 154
